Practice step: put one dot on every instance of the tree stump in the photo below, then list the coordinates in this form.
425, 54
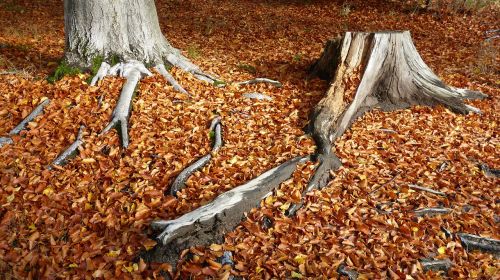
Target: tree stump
376, 70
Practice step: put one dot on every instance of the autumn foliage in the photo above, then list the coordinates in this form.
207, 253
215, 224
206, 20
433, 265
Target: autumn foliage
90, 218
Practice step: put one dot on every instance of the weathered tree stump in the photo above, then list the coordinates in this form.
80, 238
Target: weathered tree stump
372, 70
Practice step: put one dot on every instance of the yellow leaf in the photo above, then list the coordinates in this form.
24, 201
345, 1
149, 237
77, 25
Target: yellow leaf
11, 197
269, 200
73, 265
414, 229
442, 250
88, 160
48, 191
258, 269
149, 244
300, 259
216, 247
285, 206
32, 227
233, 160
113, 254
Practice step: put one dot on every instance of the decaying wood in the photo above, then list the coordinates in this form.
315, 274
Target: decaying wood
474, 242
209, 223
71, 151
22, 125
424, 189
180, 181
170, 79
436, 264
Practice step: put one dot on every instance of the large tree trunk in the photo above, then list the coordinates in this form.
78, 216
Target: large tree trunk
367, 70
127, 29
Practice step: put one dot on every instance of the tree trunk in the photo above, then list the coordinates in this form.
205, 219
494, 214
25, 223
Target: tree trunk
125, 29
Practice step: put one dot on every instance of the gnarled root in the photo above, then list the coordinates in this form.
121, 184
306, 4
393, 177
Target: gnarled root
163, 71
133, 71
208, 223
70, 152
22, 125
321, 177
180, 182
183, 63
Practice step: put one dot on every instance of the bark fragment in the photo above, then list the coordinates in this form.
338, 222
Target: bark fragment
431, 211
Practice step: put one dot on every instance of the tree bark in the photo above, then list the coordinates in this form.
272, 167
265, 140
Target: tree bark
125, 29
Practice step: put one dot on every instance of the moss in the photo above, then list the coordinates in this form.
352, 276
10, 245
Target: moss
63, 69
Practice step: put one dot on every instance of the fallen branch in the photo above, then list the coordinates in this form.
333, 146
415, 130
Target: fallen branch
22, 125
70, 152
261, 80
420, 188
180, 182
436, 265
474, 242
209, 223
431, 211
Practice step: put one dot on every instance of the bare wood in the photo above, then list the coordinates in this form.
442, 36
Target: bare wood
420, 188
71, 151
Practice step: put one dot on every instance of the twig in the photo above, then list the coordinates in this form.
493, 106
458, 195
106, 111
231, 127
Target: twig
436, 265
384, 184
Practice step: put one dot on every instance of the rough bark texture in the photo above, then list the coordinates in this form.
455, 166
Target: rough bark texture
128, 29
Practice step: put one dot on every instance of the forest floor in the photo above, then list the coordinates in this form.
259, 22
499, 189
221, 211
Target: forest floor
89, 218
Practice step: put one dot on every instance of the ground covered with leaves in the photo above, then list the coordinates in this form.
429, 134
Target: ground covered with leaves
90, 218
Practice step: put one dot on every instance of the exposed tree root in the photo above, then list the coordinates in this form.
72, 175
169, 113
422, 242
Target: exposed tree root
261, 80
22, 125
474, 242
180, 182
210, 222
70, 152
133, 71
326, 163
436, 265
170, 79
184, 64
431, 211
101, 73
257, 95
420, 188
345, 271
